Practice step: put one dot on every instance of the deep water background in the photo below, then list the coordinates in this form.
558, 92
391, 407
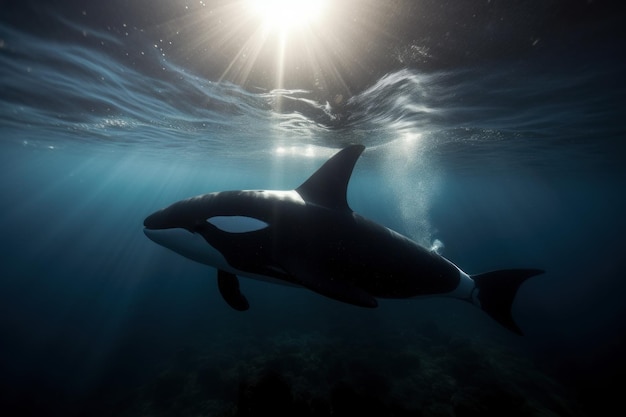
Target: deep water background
511, 159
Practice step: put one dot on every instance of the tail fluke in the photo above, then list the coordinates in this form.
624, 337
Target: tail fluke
496, 291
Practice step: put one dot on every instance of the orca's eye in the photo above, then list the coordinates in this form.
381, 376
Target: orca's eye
237, 224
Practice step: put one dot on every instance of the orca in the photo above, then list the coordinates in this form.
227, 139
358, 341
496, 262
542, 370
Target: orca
310, 237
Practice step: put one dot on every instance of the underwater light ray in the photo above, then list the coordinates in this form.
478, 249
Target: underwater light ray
202, 34
280, 64
247, 56
291, 35
282, 18
274, 44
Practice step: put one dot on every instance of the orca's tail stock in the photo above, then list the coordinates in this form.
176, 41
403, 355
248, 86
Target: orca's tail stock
496, 292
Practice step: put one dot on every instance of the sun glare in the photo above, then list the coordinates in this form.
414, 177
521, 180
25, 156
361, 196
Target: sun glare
287, 14
289, 41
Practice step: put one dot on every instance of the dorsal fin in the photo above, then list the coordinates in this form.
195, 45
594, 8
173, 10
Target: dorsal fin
328, 185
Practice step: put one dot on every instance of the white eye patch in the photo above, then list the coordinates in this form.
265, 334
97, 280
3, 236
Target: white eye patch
237, 224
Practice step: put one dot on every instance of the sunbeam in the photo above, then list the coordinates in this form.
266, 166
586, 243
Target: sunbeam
317, 45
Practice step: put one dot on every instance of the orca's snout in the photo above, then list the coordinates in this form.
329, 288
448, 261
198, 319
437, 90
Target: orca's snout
154, 221
146, 222
164, 219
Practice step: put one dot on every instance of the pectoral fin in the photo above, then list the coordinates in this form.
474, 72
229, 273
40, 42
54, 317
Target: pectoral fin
229, 288
335, 288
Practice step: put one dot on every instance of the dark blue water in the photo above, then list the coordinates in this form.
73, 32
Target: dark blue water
513, 159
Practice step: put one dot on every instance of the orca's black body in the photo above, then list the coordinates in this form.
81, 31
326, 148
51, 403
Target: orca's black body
310, 237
